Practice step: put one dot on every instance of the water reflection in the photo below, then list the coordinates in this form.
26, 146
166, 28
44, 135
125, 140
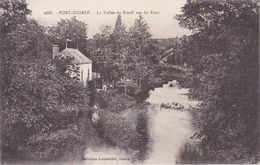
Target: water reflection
169, 129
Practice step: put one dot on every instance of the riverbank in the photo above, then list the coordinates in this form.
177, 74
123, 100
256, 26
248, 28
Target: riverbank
125, 134
86, 143
128, 130
146, 133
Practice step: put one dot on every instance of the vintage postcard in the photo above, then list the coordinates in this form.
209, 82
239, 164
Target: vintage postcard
129, 81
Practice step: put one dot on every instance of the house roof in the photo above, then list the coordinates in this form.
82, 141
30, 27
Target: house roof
79, 58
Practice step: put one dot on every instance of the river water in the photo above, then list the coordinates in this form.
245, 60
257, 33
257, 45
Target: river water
168, 129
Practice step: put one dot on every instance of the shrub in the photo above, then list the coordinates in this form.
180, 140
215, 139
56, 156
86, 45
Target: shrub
114, 101
126, 130
52, 147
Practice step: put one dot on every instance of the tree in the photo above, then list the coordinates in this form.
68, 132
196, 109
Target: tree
103, 56
12, 13
72, 29
176, 54
118, 25
109, 50
119, 44
119, 41
121, 53
141, 57
36, 89
225, 51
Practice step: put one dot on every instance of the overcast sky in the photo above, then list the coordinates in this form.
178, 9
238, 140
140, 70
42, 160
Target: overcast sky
161, 22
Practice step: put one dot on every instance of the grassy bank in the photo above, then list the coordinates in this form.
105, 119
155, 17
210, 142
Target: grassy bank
125, 128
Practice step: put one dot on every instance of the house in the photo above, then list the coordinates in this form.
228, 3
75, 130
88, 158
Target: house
84, 63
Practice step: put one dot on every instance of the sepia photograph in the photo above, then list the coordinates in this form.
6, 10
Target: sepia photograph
129, 82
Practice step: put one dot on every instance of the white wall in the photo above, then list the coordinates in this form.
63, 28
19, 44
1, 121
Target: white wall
84, 75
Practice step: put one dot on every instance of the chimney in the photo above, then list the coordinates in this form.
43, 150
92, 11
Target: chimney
55, 50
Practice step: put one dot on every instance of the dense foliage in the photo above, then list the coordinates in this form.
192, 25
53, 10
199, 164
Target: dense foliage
223, 52
114, 101
72, 30
122, 53
36, 90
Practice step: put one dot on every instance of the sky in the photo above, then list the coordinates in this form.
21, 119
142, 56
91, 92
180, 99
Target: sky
159, 14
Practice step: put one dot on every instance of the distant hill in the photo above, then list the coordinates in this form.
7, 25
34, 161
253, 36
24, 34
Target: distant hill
166, 43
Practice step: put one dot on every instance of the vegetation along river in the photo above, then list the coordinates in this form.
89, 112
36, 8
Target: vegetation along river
169, 129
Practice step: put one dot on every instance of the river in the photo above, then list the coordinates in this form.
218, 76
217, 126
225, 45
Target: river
168, 129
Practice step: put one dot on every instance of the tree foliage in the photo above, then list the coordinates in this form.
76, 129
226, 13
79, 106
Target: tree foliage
71, 29
36, 90
122, 53
105, 53
141, 57
224, 54
141, 49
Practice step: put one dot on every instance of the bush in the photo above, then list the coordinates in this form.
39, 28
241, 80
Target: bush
114, 101
52, 147
117, 129
38, 102
126, 130
224, 55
